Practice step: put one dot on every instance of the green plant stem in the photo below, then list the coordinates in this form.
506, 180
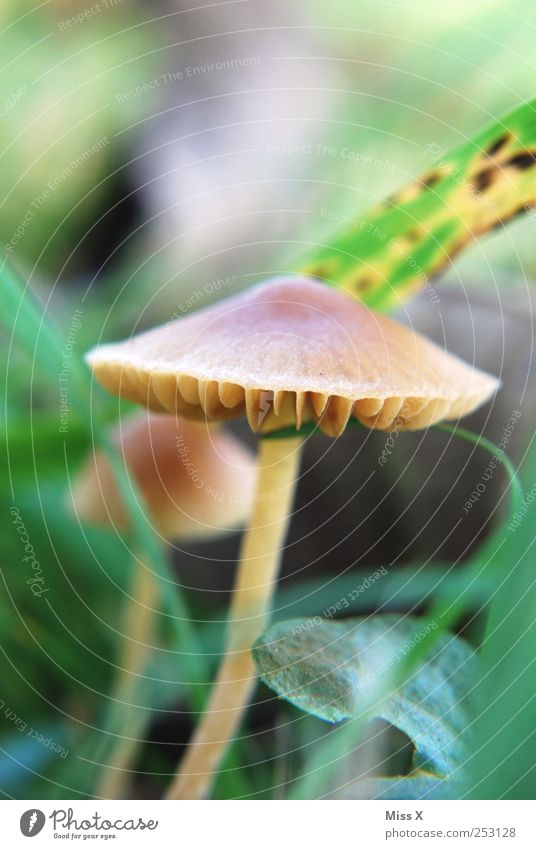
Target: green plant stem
254, 587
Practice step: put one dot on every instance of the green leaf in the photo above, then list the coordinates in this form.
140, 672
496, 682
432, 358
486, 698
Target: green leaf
421, 785
341, 669
413, 235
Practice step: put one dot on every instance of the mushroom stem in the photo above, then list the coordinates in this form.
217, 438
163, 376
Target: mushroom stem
255, 583
138, 636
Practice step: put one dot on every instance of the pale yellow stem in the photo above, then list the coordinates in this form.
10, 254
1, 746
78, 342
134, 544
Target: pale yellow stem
138, 636
254, 587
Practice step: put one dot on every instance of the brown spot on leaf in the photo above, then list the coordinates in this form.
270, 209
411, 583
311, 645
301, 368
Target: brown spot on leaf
321, 270
484, 179
431, 179
499, 143
362, 283
522, 209
522, 161
414, 189
413, 235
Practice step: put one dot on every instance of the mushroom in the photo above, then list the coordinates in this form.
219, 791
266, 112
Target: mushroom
196, 482
283, 352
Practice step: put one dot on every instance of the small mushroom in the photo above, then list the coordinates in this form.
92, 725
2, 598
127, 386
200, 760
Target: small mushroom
281, 353
196, 482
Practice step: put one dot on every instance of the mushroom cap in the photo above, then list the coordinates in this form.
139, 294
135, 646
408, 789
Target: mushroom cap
196, 482
288, 351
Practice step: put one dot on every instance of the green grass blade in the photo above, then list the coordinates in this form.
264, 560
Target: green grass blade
503, 765
401, 243
29, 327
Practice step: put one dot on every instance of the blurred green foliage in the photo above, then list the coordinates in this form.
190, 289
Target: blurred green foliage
59, 118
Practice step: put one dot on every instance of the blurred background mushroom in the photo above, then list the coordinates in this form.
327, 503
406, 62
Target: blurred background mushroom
196, 481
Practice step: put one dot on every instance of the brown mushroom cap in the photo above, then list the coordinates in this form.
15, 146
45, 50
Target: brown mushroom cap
292, 350
196, 482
